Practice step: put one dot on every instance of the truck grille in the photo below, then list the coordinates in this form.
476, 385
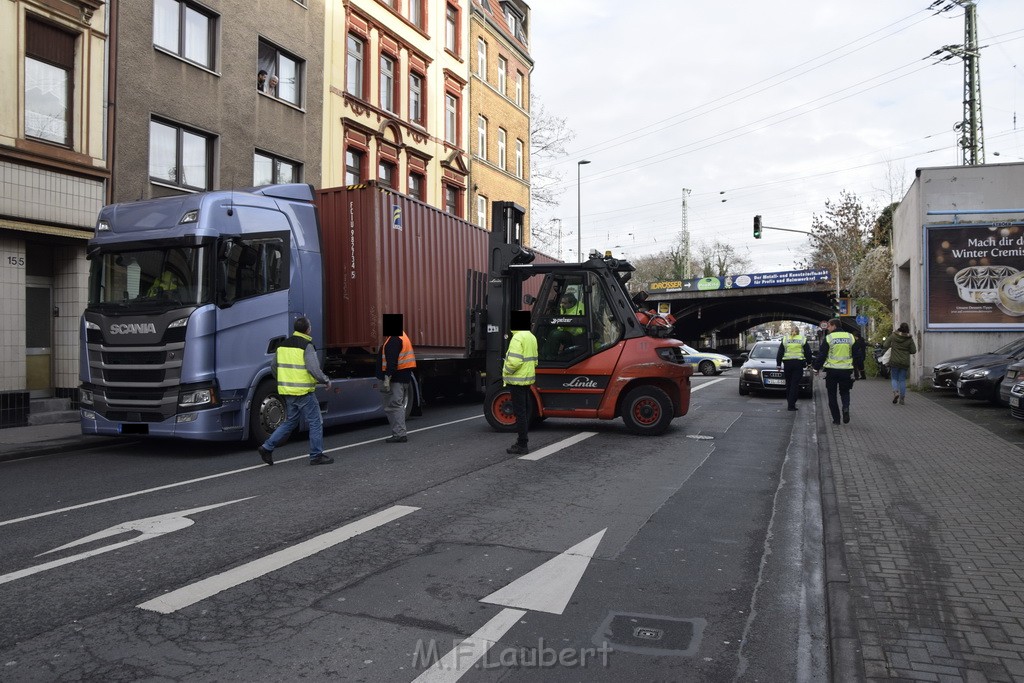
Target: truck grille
137, 383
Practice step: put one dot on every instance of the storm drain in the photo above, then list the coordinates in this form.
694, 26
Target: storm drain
649, 634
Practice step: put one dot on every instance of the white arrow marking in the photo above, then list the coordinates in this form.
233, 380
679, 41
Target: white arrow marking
193, 593
548, 588
151, 527
555, 447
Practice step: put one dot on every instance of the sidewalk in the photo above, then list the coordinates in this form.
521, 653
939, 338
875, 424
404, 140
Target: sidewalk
931, 523
23, 442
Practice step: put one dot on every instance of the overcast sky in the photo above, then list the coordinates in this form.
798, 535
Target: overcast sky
774, 107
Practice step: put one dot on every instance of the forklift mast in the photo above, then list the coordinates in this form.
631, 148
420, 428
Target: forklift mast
504, 289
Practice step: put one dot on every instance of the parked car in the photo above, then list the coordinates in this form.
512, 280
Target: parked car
1017, 400
761, 373
1014, 374
706, 363
946, 373
981, 381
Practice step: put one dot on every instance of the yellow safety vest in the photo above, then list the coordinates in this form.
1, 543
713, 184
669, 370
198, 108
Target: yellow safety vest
406, 357
840, 351
794, 348
575, 310
293, 379
521, 360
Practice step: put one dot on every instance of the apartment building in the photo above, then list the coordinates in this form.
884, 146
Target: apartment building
53, 180
396, 104
499, 106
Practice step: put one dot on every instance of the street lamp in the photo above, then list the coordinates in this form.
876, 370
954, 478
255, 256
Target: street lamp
579, 217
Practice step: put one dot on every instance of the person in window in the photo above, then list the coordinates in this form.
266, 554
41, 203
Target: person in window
261, 80
272, 86
563, 337
167, 282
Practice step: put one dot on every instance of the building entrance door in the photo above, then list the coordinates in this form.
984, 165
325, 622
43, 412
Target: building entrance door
39, 337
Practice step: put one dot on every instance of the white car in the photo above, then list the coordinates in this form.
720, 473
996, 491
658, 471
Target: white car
706, 363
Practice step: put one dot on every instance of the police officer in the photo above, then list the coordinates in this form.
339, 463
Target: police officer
836, 357
794, 354
298, 372
518, 374
397, 361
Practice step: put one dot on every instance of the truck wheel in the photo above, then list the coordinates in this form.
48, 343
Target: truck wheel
498, 410
647, 411
266, 412
706, 368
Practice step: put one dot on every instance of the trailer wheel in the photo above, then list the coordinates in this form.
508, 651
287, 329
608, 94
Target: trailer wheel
647, 411
498, 410
266, 413
707, 368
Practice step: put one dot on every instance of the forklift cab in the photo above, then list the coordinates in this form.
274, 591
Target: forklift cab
573, 320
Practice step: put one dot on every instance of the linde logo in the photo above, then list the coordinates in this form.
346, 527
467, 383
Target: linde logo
133, 328
581, 383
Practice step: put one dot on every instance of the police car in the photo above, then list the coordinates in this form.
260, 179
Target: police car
706, 363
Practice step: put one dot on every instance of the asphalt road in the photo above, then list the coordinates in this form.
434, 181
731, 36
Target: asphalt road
691, 556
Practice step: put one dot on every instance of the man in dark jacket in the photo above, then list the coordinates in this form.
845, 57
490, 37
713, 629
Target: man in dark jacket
859, 354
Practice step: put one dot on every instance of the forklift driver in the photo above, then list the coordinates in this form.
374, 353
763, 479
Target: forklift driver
563, 339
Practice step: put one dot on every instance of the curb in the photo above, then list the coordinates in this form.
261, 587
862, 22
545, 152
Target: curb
9, 452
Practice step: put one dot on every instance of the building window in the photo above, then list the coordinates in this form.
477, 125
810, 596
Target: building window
451, 29
179, 156
49, 66
519, 158
353, 166
284, 73
481, 211
501, 148
451, 119
519, 88
387, 83
502, 71
515, 24
386, 172
268, 169
481, 58
354, 67
481, 137
415, 98
416, 13
453, 200
417, 183
181, 28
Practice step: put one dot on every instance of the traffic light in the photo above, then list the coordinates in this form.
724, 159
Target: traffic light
757, 227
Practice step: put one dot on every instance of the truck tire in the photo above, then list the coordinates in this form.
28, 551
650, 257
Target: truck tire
498, 409
647, 411
266, 412
707, 368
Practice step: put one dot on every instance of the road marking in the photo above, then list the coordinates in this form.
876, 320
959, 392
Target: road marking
211, 476
208, 587
555, 447
548, 588
151, 527
463, 656
707, 384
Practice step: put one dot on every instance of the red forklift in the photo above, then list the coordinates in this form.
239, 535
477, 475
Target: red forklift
600, 355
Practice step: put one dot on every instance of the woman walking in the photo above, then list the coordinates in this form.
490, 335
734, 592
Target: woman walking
902, 346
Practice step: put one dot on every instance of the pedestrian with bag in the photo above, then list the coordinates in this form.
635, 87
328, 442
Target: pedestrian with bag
298, 373
900, 347
397, 361
794, 354
518, 374
835, 356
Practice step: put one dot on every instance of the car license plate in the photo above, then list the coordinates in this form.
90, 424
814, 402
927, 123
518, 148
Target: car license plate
1014, 402
774, 381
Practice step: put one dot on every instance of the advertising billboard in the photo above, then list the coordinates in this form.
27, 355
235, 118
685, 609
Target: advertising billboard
974, 276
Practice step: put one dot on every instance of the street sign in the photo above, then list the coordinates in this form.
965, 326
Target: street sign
862, 320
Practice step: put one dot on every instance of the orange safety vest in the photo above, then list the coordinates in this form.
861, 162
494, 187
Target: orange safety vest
406, 357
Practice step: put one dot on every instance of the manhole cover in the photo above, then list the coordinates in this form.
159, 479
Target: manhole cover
650, 634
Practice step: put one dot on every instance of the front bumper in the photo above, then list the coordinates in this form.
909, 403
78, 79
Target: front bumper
978, 389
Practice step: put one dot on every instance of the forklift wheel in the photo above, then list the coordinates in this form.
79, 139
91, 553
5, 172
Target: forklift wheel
647, 411
498, 410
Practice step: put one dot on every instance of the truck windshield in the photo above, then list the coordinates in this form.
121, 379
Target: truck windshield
175, 275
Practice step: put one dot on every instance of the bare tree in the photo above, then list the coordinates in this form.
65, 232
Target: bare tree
718, 259
839, 237
550, 135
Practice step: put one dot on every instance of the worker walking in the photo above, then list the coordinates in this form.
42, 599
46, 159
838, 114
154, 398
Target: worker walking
836, 357
794, 355
518, 374
397, 361
298, 373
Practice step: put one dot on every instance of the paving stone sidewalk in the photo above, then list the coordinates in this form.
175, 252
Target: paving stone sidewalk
931, 509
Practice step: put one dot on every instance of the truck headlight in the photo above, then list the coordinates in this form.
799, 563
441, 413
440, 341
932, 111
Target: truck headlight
197, 398
85, 396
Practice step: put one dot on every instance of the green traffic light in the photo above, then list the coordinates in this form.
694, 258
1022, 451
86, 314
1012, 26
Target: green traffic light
757, 227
